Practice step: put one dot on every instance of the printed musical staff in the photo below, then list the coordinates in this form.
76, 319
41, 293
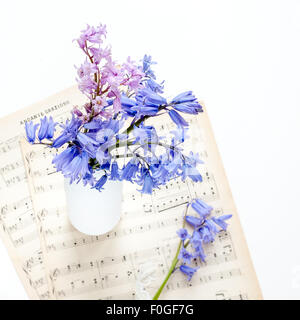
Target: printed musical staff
18, 226
110, 266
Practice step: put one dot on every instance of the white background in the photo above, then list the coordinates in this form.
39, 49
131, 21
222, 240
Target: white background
241, 57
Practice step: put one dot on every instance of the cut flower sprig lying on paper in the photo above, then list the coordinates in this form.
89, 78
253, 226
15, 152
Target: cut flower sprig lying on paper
109, 137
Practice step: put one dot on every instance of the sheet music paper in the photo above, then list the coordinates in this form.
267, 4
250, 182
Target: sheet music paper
18, 228
131, 261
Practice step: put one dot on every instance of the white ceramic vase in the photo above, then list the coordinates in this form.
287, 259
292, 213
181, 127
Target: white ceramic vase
93, 212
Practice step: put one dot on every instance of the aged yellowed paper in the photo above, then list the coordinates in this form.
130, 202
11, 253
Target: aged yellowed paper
131, 261
18, 226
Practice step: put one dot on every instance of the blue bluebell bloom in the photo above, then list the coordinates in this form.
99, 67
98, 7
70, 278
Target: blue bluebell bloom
183, 234
220, 221
69, 133
185, 256
47, 128
155, 86
199, 252
148, 183
51, 128
201, 208
204, 231
114, 172
147, 62
130, 170
100, 183
186, 102
194, 221
63, 159
77, 168
31, 131
43, 129
189, 271
191, 172
177, 119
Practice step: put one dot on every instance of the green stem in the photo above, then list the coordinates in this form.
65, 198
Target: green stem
137, 123
173, 266
174, 262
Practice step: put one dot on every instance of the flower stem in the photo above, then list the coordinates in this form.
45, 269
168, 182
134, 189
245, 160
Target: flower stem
174, 262
173, 266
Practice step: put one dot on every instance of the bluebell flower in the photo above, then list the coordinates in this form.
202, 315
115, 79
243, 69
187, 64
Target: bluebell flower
148, 183
63, 159
90, 148
148, 97
194, 221
201, 208
148, 102
108, 131
220, 221
30, 131
206, 234
191, 172
89, 179
84, 139
177, 119
127, 105
196, 239
51, 128
211, 226
69, 133
199, 252
129, 170
190, 108
183, 234
146, 135
189, 271
186, 102
147, 62
141, 134
43, 128
145, 110
185, 256
180, 135
174, 164
154, 86
100, 183
114, 171
196, 242
105, 166
47, 128
194, 159
94, 125
186, 96
102, 155
159, 172
77, 168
